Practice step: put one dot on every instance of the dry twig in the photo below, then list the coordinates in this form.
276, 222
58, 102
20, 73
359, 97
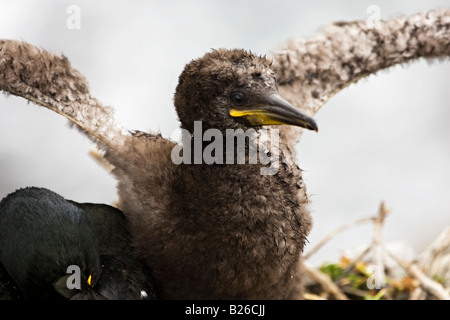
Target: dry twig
430, 285
335, 232
325, 281
417, 271
438, 247
377, 243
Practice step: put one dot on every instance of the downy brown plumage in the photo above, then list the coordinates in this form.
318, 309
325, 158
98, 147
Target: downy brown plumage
225, 230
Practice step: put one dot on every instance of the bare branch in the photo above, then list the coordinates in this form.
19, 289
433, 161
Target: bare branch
439, 246
335, 232
324, 281
430, 285
377, 243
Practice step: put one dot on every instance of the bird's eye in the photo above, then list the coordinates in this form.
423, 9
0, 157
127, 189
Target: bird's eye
237, 98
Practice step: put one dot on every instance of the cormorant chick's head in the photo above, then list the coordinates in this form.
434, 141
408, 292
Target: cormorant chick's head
233, 89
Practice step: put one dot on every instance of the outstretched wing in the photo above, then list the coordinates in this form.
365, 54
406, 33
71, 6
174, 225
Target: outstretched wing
49, 80
140, 161
135, 158
311, 71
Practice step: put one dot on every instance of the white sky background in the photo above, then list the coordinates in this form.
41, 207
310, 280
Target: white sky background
385, 138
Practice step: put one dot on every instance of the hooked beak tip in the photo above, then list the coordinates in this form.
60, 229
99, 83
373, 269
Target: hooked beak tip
272, 109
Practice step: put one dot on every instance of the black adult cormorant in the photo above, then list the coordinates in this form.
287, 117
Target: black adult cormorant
42, 240
42, 235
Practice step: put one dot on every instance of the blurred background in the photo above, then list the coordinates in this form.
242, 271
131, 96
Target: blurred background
385, 138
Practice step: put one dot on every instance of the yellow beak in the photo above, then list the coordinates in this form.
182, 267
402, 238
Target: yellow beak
274, 110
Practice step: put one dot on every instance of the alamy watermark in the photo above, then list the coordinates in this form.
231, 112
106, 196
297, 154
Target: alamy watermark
74, 280
374, 19
235, 147
73, 21
376, 278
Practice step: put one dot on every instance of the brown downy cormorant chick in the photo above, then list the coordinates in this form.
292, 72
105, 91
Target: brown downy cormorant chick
220, 231
225, 230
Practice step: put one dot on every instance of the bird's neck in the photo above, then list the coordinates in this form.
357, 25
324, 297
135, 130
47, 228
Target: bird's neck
231, 170
255, 146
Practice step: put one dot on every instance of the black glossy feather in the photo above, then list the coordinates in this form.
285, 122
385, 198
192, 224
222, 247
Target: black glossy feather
38, 240
41, 235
